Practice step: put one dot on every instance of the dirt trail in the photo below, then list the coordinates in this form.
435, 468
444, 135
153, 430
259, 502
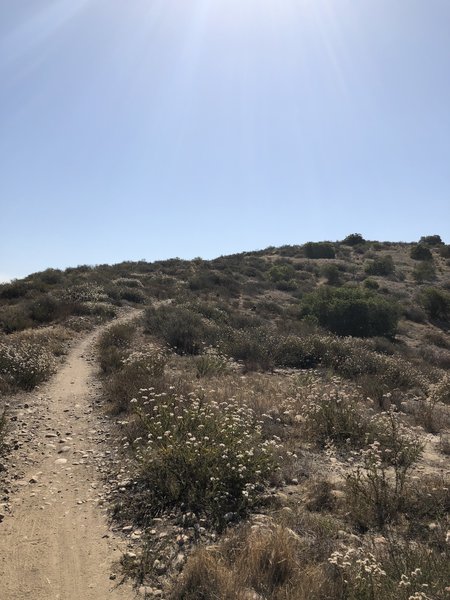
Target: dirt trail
56, 544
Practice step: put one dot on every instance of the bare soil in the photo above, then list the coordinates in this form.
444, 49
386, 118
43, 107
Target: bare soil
55, 543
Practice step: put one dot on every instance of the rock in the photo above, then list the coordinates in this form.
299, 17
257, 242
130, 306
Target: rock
229, 517
60, 461
34, 480
127, 528
338, 494
159, 567
179, 561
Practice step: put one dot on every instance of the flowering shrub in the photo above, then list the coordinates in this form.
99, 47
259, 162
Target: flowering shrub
349, 357
24, 364
212, 363
112, 345
85, 292
198, 455
373, 496
128, 282
440, 391
149, 362
334, 415
390, 571
136, 370
362, 576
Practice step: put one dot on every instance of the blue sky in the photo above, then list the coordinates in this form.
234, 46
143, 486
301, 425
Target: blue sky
159, 128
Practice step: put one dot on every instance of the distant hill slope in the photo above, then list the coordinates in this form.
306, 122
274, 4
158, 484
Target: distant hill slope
273, 285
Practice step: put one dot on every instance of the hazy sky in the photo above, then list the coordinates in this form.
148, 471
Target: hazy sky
159, 128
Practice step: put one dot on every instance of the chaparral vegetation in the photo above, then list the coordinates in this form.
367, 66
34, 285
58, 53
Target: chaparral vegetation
281, 417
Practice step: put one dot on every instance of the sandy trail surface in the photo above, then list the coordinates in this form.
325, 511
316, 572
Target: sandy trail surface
56, 544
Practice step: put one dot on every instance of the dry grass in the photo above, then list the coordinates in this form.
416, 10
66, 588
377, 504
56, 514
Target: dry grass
250, 563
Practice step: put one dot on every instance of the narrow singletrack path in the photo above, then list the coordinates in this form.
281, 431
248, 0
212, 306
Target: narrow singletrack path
56, 544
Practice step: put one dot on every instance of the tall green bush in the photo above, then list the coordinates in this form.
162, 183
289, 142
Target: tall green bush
353, 239
352, 311
380, 266
181, 328
436, 303
319, 250
421, 252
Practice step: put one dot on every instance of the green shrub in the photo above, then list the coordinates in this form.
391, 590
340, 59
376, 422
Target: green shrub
133, 295
371, 284
179, 327
15, 318
304, 352
424, 271
118, 335
332, 274
436, 303
444, 251
45, 310
128, 282
51, 276
431, 240
287, 286
255, 347
352, 311
380, 266
414, 313
280, 273
353, 239
199, 456
421, 252
319, 250
208, 280
14, 290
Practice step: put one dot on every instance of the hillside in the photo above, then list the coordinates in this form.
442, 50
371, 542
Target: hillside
276, 423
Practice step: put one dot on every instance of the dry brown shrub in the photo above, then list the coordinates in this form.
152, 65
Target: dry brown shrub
253, 562
207, 577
